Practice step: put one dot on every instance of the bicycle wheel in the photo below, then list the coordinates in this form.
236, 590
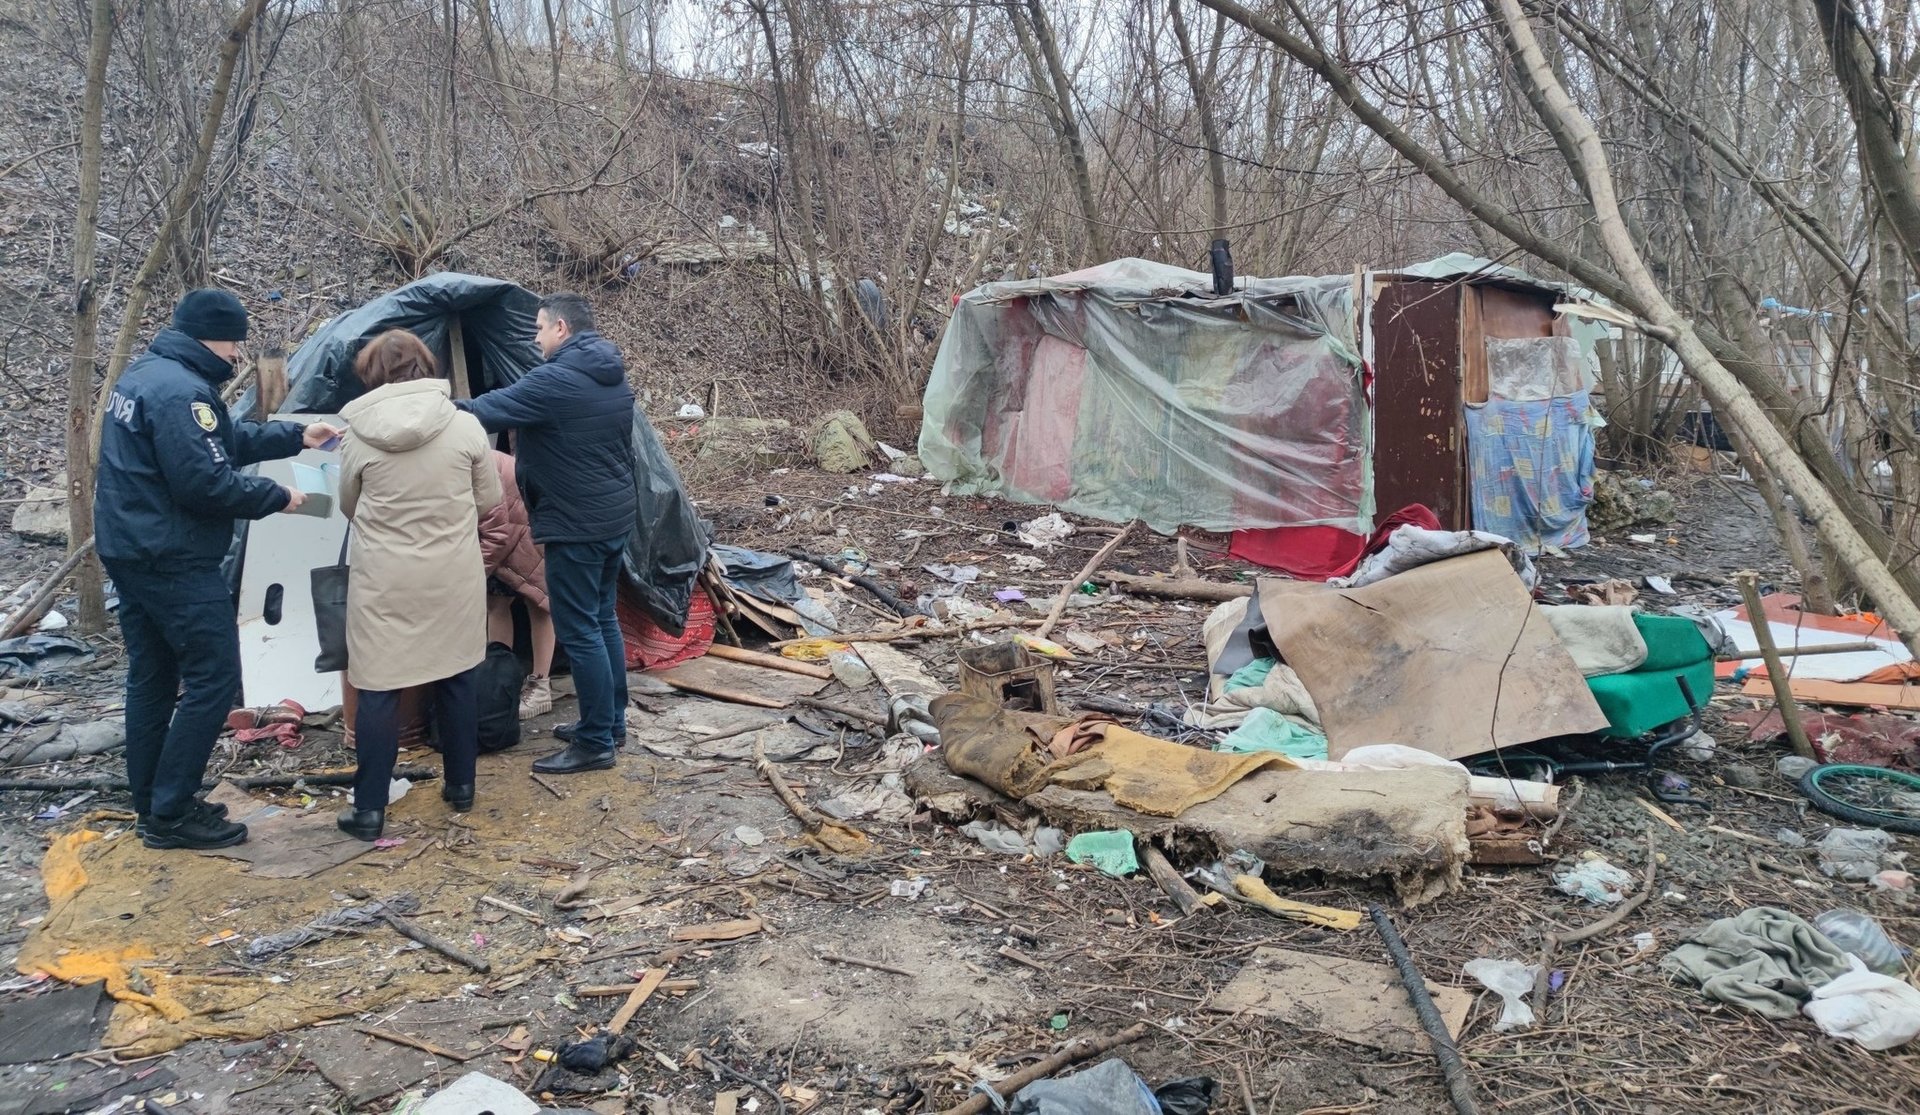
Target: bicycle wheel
1876, 796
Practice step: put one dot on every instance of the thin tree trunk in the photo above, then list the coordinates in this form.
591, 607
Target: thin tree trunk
1056, 94
86, 322
1879, 127
1730, 400
178, 203
1203, 105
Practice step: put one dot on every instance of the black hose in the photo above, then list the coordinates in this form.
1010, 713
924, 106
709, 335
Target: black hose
1459, 1088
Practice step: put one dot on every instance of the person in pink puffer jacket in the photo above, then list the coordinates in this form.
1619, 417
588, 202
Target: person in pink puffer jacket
516, 568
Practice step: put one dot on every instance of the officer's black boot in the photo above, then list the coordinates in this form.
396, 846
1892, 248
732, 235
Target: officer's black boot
198, 829
217, 808
362, 824
459, 797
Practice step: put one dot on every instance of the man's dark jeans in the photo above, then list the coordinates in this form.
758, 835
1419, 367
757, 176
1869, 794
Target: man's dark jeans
582, 582
180, 631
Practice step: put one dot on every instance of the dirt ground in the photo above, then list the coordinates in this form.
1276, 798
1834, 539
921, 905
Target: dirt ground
852, 998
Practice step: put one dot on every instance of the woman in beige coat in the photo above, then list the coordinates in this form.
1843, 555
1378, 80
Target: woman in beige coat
415, 477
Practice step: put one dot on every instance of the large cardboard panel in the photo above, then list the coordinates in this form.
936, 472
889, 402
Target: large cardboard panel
1451, 658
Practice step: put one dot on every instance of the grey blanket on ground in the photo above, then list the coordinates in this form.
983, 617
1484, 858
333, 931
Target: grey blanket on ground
1764, 959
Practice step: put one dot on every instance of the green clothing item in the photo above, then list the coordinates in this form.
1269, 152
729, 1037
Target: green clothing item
1267, 730
1764, 959
1110, 851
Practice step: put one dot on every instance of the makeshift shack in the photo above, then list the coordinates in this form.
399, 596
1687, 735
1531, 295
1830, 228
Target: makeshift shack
1291, 411
481, 332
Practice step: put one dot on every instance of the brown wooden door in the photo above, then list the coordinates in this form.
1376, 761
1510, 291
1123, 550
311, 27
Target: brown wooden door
1419, 435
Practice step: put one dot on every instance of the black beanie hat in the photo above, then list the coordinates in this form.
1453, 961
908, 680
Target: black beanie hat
211, 315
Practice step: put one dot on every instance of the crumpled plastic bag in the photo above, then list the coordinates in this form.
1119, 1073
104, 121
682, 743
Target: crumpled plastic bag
1853, 853
1595, 880
1108, 1088
1110, 851
1877, 1011
1513, 982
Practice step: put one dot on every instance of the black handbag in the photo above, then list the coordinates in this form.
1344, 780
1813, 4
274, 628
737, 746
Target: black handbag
330, 612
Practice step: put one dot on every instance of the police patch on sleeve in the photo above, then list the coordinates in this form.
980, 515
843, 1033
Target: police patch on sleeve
204, 417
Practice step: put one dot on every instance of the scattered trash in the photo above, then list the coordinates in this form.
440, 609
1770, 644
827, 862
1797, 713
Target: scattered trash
749, 836
690, 410
1595, 880
26, 657
1010, 595
1787, 838
1661, 585
1604, 593
1794, 767
1860, 936
997, 837
1764, 959
1893, 880
954, 574
1854, 853
1045, 532
849, 669
1699, 747
596, 1053
1513, 982
1877, 1011
397, 789
910, 889
1643, 943
1189, 1095
58, 1024
1111, 851
1266, 730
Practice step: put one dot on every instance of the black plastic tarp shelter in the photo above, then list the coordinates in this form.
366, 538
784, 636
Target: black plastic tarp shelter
668, 546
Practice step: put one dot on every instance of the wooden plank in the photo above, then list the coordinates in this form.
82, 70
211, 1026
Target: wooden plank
710, 676
770, 661
1905, 698
650, 982
457, 359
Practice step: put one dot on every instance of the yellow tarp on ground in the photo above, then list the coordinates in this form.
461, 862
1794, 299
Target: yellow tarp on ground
140, 919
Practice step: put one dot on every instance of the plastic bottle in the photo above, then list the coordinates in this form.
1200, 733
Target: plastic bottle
1857, 933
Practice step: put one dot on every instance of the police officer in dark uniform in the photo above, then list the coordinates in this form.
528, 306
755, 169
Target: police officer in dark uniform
165, 500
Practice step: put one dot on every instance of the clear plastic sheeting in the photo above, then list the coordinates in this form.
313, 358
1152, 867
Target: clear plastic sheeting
1533, 369
1129, 390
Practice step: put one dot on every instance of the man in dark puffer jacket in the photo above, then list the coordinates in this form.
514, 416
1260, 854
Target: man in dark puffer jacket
575, 466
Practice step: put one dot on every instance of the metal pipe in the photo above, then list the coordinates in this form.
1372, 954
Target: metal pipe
1459, 1088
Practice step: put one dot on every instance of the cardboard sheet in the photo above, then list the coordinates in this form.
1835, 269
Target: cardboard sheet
1347, 999
284, 843
1452, 658
1858, 694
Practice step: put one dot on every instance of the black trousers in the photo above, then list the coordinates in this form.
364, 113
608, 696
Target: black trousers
183, 673
376, 730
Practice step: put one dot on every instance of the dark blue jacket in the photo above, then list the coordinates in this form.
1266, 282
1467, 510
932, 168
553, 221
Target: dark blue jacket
573, 455
168, 489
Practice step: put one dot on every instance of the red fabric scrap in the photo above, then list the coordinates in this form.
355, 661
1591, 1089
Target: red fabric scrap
1318, 553
651, 648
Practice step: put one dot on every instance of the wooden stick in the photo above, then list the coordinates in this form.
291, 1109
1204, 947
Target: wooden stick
873, 964
1176, 888
1020, 958
501, 904
649, 983
880, 592
445, 948
457, 365
1749, 583
721, 692
770, 661
874, 719
415, 1043
1089, 569
28, 615
1802, 652
1543, 981
930, 631
608, 991
1168, 588
1083, 1050
549, 787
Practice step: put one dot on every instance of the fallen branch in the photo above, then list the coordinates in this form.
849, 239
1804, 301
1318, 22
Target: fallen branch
1089, 569
1543, 981
905, 633
445, 948
510, 908
770, 661
415, 1043
873, 964
872, 718
28, 615
1084, 1050
879, 591
826, 833
1171, 589
1176, 888
327, 777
